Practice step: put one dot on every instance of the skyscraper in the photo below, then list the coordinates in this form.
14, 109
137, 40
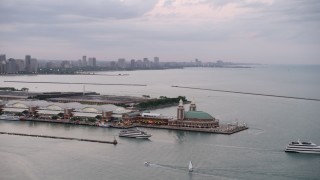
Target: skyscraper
3, 64
156, 62
92, 62
84, 61
28, 63
11, 66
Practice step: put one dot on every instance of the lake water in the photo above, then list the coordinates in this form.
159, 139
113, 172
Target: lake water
257, 153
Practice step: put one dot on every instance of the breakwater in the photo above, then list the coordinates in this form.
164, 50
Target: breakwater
114, 142
248, 93
99, 84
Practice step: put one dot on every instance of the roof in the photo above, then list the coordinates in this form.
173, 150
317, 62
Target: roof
197, 115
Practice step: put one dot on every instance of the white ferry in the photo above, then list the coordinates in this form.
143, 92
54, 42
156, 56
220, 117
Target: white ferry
303, 147
134, 133
9, 117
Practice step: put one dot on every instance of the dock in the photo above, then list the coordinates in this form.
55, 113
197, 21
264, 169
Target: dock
114, 142
223, 129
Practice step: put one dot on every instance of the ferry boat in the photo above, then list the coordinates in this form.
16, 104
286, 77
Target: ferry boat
303, 147
134, 133
9, 117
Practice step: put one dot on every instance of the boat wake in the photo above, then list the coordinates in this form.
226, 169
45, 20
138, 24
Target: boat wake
249, 148
195, 171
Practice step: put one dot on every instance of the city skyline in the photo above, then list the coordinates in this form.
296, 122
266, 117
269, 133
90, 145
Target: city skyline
252, 31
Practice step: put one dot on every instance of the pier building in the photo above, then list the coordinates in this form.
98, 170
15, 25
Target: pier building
193, 118
46, 109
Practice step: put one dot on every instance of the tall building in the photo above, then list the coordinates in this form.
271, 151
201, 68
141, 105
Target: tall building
132, 63
65, 64
84, 61
34, 66
3, 57
92, 62
156, 62
11, 66
146, 63
122, 63
3, 64
20, 65
28, 63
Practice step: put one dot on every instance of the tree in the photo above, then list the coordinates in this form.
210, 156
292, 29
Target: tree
99, 117
60, 114
92, 119
25, 89
54, 117
25, 112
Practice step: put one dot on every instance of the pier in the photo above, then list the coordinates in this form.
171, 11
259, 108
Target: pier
114, 142
223, 129
248, 93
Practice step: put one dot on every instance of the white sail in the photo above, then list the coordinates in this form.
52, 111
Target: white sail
190, 166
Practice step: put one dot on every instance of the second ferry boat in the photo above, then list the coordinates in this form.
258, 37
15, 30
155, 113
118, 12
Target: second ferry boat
134, 133
303, 147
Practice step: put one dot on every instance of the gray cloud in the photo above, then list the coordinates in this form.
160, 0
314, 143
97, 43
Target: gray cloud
115, 28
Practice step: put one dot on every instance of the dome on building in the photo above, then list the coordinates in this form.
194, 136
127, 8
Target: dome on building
197, 115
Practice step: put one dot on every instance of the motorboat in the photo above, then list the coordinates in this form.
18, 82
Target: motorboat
9, 117
303, 147
147, 163
104, 125
190, 168
134, 133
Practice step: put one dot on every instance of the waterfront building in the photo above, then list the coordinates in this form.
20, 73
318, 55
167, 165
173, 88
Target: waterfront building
122, 63
65, 64
12, 66
84, 61
44, 108
156, 62
20, 65
34, 65
193, 118
28, 63
92, 62
132, 63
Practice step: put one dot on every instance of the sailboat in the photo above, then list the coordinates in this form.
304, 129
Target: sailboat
190, 166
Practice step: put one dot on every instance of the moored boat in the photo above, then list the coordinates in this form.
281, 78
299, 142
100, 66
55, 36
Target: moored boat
134, 133
303, 147
9, 117
104, 125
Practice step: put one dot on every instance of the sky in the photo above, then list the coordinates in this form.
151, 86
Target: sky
252, 31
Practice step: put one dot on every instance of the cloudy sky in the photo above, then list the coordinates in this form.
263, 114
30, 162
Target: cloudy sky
258, 31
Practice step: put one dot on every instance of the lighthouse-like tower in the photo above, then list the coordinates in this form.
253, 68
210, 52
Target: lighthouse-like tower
193, 106
180, 110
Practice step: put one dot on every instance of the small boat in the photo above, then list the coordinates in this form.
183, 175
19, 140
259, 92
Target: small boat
190, 168
303, 147
134, 133
104, 125
9, 117
147, 163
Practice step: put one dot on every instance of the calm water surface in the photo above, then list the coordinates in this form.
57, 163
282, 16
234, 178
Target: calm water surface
253, 154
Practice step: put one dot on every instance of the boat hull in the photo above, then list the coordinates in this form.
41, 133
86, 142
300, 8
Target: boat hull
303, 151
135, 136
